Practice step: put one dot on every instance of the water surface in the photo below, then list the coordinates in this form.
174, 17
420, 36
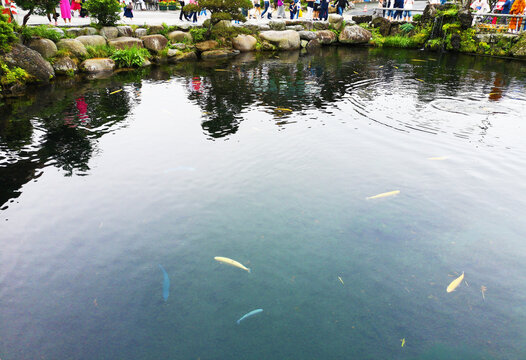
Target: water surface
268, 160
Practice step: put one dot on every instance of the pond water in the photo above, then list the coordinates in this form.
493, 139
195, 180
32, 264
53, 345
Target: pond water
268, 160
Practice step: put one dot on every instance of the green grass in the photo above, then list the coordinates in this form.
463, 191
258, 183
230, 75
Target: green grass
99, 51
42, 31
130, 57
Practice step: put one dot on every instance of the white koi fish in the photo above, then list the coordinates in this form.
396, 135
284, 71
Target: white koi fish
231, 262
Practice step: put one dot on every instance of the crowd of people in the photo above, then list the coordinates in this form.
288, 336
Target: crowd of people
397, 10
505, 7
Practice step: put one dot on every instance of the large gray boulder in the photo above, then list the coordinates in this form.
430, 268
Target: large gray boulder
31, 61
74, 31
336, 21
97, 65
244, 43
154, 42
65, 66
109, 32
326, 37
320, 25
307, 35
92, 40
140, 32
73, 46
88, 31
283, 40
179, 36
125, 42
277, 25
125, 31
354, 34
218, 54
45, 47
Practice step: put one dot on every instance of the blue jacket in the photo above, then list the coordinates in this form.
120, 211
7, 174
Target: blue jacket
507, 6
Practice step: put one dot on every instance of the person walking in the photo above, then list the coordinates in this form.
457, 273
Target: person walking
193, 15
266, 5
316, 15
75, 6
183, 13
398, 4
324, 10
408, 6
281, 10
340, 6
128, 10
65, 11
516, 9
310, 9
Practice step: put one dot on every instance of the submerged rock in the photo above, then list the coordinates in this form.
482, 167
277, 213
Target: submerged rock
154, 42
244, 43
283, 40
65, 66
218, 54
125, 42
97, 65
73, 46
45, 47
354, 34
31, 61
92, 40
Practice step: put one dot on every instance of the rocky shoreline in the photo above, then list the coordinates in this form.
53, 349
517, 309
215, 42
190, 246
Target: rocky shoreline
43, 59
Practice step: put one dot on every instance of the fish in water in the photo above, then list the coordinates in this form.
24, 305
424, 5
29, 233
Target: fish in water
403, 342
284, 109
166, 283
253, 312
385, 194
455, 283
116, 91
339, 278
438, 158
419, 80
419, 60
231, 262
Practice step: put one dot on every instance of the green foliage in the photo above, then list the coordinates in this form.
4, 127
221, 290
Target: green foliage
63, 53
12, 76
483, 48
229, 32
417, 17
450, 12
105, 11
42, 31
467, 42
221, 10
99, 51
451, 27
7, 35
400, 42
130, 57
198, 34
435, 44
407, 28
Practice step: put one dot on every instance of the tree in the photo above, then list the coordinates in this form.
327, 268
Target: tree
39, 7
221, 10
105, 11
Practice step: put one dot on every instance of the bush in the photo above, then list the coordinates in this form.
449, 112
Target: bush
11, 76
42, 31
417, 17
7, 35
130, 57
407, 28
105, 11
198, 34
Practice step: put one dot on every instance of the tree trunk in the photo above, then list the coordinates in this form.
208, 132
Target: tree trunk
26, 17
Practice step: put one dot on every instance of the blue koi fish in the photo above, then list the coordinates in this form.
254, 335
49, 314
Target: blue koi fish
253, 312
166, 283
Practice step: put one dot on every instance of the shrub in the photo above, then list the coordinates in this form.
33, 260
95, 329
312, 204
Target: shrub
11, 76
7, 35
105, 11
130, 57
406, 28
42, 31
417, 17
198, 34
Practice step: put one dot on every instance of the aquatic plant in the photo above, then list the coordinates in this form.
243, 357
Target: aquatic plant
407, 28
105, 11
130, 57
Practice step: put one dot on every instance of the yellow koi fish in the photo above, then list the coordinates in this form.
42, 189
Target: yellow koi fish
403, 342
396, 67
116, 91
355, 72
231, 262
339, 278
420, 80
283, 109
221, 70
437, 158
455, 283
420, 60
382, 195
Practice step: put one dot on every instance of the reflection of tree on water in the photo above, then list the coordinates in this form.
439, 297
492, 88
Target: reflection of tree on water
68, 121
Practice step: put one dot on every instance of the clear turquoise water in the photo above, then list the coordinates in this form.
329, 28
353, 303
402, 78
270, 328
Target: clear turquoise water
191, 163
